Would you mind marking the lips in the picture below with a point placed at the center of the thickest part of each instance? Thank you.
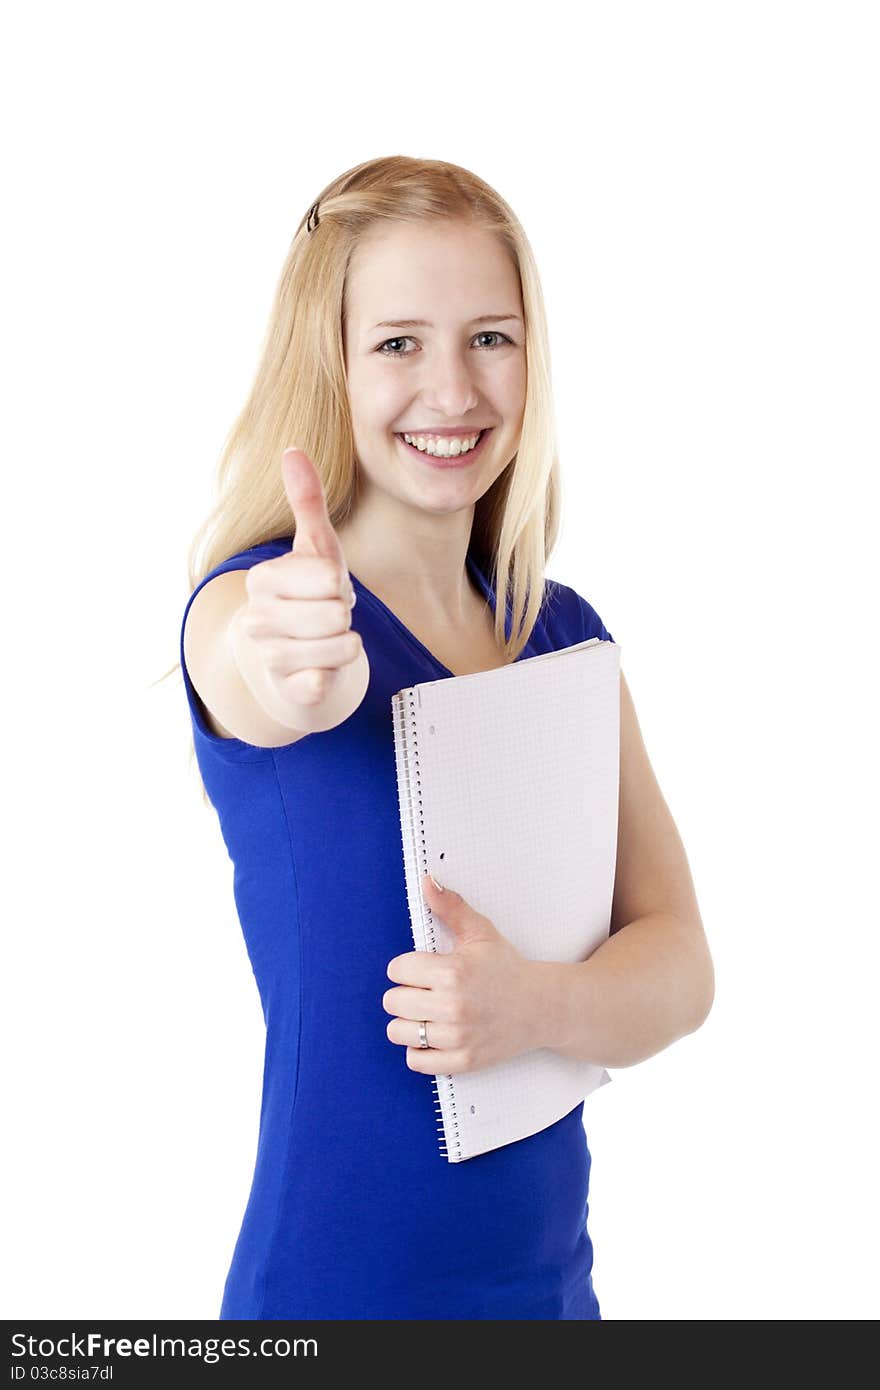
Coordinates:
(459, 461)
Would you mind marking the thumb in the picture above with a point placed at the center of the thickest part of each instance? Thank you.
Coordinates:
(457, 913)
(314, 534)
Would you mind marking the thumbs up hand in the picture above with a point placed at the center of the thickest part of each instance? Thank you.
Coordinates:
(481, 1002)
(292, 639)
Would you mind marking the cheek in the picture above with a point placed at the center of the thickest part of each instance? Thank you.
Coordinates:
(377, 399)
(512, 388)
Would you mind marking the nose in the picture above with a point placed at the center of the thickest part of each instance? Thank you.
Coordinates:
(449, 386)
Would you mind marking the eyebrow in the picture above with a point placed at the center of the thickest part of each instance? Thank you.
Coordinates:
(424, 323)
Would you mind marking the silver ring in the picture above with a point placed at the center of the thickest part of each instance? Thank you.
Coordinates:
(423, 1035)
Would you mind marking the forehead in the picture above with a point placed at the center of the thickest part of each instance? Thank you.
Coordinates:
(434, 271)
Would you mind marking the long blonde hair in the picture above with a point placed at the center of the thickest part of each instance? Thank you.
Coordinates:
(299, 393)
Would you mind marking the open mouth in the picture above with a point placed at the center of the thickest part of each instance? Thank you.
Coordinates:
(454, 460)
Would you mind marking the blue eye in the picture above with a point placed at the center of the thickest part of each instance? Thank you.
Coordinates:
(489, 333)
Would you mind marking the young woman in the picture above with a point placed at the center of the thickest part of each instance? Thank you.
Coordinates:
(407, 361)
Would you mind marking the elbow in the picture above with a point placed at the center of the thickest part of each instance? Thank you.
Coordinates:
(705, 995)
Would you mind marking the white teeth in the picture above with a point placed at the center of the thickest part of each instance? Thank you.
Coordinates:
(443, 446)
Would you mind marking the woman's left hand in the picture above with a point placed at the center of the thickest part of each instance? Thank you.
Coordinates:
(481, 1000)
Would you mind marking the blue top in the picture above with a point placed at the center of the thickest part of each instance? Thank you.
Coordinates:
(353, 1211)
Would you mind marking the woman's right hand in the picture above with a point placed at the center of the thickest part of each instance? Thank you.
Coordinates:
(292, 639)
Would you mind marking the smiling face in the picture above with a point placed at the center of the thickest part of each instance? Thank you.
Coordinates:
(461, 370)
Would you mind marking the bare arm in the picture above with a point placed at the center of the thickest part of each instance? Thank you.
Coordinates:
(653, 980)
(230, 689)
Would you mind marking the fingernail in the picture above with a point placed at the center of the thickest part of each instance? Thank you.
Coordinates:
(438, 886)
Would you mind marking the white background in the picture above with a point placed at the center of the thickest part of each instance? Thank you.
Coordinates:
(699, 184)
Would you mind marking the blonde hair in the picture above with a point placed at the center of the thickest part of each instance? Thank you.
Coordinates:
(299, 393)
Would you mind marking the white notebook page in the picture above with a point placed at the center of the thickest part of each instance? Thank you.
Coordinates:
(508, 793)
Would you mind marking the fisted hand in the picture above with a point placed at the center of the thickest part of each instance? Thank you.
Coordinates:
(295, 628)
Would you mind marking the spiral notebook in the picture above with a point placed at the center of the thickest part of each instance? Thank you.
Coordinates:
(508, 793)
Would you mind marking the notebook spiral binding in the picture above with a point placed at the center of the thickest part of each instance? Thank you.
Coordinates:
(406, 752)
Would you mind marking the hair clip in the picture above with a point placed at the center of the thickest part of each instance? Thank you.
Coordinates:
(313, 212)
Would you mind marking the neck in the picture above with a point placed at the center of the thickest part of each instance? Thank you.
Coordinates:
(423, 567)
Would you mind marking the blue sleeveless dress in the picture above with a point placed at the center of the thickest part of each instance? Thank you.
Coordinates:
(353, 1211)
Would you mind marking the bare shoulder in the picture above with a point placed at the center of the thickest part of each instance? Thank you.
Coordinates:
(215, 603)
(208, 614)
